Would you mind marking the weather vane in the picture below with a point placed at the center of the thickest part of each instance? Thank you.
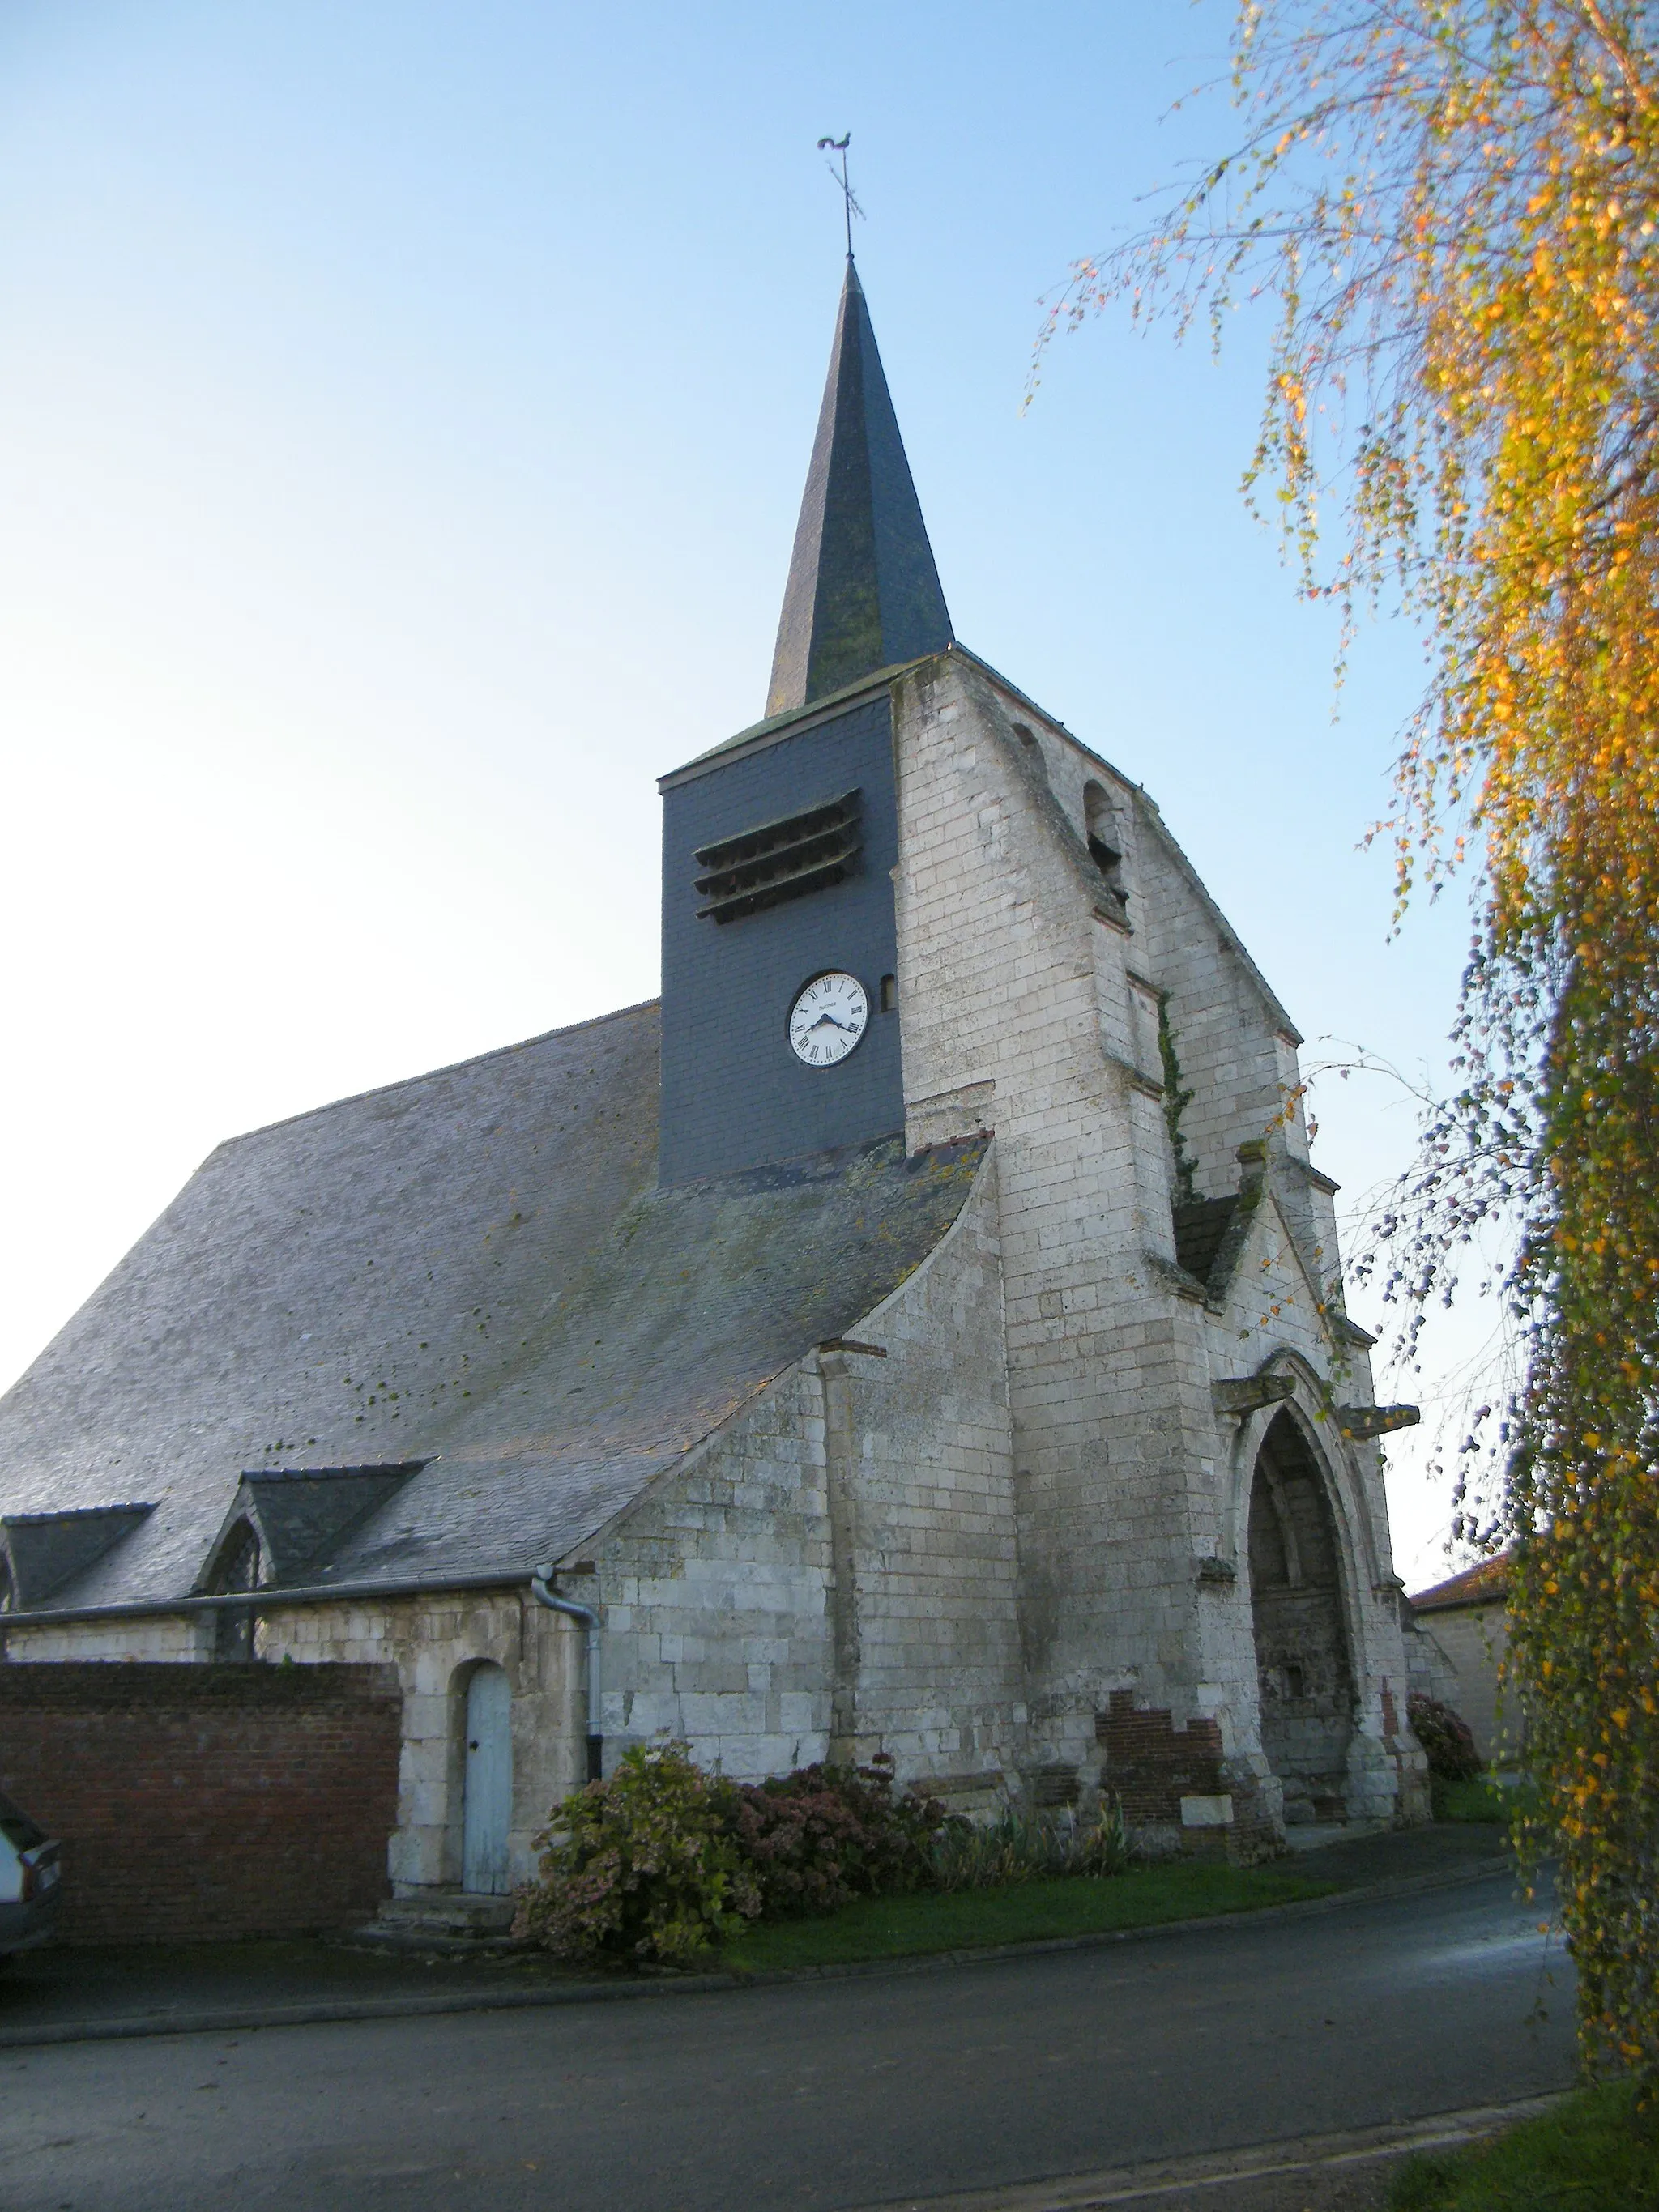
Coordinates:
(840, 146)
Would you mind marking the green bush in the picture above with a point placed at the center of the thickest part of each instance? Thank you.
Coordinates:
(662, 1860)
(643, 1866)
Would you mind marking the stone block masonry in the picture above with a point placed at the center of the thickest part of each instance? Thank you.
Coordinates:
(834, 1574)
(206, 1803)
(1067, 983)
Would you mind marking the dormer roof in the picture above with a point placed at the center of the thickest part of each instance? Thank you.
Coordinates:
(40, 1553)
(302, 1515)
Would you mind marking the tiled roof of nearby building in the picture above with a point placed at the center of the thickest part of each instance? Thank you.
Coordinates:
(475, 1269)
(1484, 1584)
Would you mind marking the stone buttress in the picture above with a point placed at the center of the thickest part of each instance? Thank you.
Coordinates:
(1169, 1271)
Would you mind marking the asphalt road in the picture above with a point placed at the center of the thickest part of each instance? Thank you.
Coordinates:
(835, 2093)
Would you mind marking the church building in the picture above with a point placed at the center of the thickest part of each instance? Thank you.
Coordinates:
(920, 1333)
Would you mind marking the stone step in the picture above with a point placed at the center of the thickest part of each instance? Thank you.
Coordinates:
(452, 1908)
(442, 1920)
(1314, 1837)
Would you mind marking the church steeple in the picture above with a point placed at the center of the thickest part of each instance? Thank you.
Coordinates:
(863, 592)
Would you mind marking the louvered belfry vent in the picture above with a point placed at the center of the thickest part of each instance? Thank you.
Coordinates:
(780, 861)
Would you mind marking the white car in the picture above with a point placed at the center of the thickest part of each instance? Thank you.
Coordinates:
(28, 1882)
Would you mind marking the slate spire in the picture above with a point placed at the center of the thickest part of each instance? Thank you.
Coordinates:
(863, 592)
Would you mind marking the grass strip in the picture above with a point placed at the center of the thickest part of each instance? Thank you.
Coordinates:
(1596, 2153)
(1022, 1912)
(1479, 1801)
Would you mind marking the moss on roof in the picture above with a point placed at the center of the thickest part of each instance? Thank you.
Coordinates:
(475, 1269)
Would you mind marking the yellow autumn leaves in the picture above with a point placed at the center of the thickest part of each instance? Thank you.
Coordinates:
(1453, 204)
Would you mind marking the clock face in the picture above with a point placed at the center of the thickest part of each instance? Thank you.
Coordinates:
(829, 1018)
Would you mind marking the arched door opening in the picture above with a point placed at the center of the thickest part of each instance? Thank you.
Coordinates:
(486, 1787)
(1302, 1655)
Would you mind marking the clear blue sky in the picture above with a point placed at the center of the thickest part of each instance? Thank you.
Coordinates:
(403, 409)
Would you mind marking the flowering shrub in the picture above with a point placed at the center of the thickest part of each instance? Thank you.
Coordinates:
(1445, 1738)
(661, 1860)
(643, 1866)
(816, 1838)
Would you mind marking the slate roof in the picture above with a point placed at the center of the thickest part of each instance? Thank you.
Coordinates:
(863, 591)
(1487, 1583)
(474, 1269)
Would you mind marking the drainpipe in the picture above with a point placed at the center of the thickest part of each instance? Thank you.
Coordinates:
(270, 1597)
(568, 1606)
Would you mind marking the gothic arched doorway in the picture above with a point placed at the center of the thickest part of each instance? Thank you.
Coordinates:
(1302, 1656)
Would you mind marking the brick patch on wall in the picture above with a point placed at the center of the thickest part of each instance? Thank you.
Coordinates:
(206, 1803)
(1151, 1765)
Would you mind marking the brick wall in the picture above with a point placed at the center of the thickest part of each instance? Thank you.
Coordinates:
(206, 1803)
(1151, 1765)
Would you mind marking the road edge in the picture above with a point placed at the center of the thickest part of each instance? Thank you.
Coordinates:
(1144, 2183)
(223, 2019)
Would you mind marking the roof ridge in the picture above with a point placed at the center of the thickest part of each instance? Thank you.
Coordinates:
(427, 1075)
(1481, 1578)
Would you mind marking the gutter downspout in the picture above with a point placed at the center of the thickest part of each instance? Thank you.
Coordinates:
(569, 1607)
(269, 1597)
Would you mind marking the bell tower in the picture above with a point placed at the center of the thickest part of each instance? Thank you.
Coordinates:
(779, 954)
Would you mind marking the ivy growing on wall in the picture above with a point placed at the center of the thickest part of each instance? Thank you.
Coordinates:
(1176, 1102)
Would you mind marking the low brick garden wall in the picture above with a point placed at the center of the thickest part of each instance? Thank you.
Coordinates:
(206, 1803)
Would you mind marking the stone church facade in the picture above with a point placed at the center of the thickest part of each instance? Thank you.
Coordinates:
(921, 1333)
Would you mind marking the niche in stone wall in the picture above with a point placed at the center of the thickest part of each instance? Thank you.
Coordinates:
(1302, 1662)
(1031, 746)
(1105, 838)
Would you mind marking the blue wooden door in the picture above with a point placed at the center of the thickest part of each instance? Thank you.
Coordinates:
(487, 1805)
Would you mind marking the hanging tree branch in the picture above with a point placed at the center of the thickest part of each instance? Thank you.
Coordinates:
(1454, 205)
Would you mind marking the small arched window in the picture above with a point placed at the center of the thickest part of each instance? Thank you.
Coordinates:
(237, 1569)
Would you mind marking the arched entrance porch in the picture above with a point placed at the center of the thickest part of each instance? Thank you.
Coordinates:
(1304, 1664)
